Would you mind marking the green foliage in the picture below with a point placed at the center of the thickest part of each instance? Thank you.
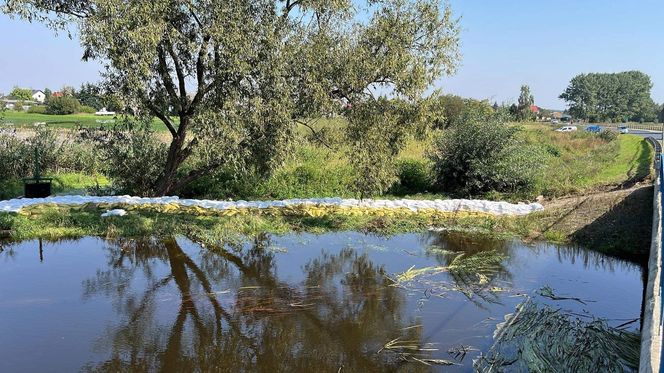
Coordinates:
(485, 154)
(608, 136)
(90, 95)
(15, 156)
(583, 162)
(132, 155)
(449, 110)
(63, 105)
(414, 176)
(378, 130)
(23, 94)
(37, 109)
(526, 100)
(236, 75)
(87, 110)
(615, 97)
(310, 172)
(57, 154)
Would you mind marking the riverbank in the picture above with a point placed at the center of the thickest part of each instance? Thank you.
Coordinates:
(609, 222)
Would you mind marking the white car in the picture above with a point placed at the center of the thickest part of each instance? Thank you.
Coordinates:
(567, 129)
(623, 129)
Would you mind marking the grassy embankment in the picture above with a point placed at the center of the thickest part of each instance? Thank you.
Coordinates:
(578, 164)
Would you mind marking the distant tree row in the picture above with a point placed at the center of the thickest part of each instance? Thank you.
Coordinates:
(612, 97)
(88, 99)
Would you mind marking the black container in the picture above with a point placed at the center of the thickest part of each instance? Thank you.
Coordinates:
(37, 188)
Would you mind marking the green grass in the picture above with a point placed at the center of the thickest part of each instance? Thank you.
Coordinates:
(581, 162)
(63, 183)
(50, 222)
(72, 121)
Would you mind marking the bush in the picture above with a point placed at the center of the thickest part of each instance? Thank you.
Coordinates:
(608, 136)
(87, 110)
(483, 154)
(37, 109)
(415, 176)
(311, 172)
(63, 105)
(134, 158)
(450, 109)
(15, 157)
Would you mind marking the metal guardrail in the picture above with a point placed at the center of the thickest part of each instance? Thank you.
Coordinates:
(637, 126)
(652, 327)
(660, 170)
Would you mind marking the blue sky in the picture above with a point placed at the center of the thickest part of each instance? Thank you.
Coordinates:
(504, 44)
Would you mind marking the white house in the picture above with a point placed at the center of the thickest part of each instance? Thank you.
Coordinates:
(38, 96)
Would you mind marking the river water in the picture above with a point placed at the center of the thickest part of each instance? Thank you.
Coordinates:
(337, 302)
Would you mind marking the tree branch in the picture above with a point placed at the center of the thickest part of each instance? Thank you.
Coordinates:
(315, 133)
(155, 110)
(179, 71)
(163, 71)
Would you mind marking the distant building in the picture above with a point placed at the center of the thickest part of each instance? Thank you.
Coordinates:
(57, 94)
(534, 109)
(10, 103)
(38, 96)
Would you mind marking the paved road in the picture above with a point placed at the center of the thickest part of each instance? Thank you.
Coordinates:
(643, 133)
(657, 135)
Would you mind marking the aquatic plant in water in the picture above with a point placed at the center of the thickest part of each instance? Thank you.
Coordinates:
(542, 338)
(473, 275)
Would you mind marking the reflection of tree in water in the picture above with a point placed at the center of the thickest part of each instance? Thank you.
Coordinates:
(262, 324)
(475, 263)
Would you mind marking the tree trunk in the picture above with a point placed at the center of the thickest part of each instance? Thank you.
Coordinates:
(176, 156)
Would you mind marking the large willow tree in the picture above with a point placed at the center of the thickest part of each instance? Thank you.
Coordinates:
(231, 79)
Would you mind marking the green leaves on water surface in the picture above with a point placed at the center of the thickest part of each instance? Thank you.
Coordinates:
(542, 338)
(474, 275)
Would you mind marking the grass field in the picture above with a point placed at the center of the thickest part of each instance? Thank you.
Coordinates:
(73, 121)
(581, 162)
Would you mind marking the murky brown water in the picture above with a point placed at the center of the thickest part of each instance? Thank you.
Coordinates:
(297, 303)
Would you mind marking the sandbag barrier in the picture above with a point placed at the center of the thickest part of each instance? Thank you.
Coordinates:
(311, 207)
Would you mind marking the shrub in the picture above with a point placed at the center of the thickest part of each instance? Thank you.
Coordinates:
(56, 154)
(450, 109)
(87, 110)
(15, 157)
(63, 105)
(483, 154)
(608, 136)
(311, 172)
(134, 158)
(415, 176)
(37, 109)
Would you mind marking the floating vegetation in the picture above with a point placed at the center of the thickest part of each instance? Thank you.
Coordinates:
(472, 275)
(413, 273)
(541, 338)
(547, 292)
(413, 351)
(459, 352)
